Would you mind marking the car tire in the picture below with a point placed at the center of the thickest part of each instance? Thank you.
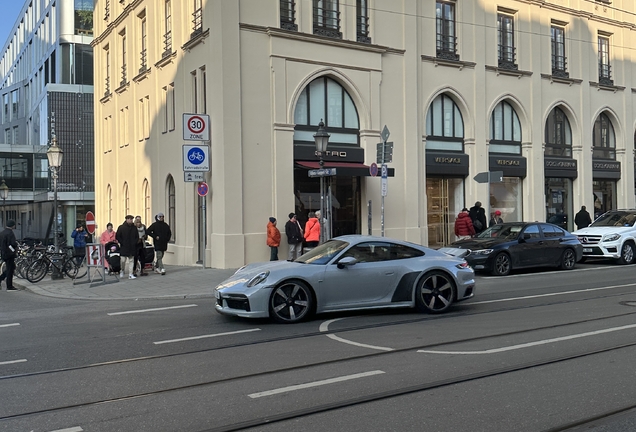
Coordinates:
(568, 259)
(501, 265)
(291, 302)
(627, 253)
(435, 292)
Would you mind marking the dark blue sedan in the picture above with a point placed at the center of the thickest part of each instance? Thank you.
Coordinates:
(514, 245)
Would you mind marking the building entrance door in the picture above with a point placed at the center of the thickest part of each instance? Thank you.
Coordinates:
(445, 199)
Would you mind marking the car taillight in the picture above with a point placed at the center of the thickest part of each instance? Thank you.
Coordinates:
(462, 265)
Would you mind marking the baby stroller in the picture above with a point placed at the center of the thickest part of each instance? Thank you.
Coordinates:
(113, 257)
(149, 258)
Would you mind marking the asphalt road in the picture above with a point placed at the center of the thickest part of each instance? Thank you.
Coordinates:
(535, 351)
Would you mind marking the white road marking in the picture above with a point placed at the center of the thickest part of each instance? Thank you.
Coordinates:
(12, 361)
(206, 336)
(545, 272)
(9, 325)
(315, 384)
(553, 294)
(73, 429)
(324, 327)
(152, 310)
(531, 344)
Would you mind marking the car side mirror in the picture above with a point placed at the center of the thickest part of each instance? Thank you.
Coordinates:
(524, 237)
(346, 262)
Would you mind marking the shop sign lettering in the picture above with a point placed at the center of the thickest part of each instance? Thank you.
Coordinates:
(341, 154)
(560, 164)
(508, 162)
(448, 160)
(606, 166)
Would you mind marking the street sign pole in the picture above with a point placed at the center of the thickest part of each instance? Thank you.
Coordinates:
(386, 156)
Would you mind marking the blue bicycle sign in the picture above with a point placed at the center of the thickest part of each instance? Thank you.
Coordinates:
(196, 158)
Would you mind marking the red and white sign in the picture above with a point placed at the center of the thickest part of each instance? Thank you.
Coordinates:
(90, 222)
(94, 253)
(202, 189)
(196, 127)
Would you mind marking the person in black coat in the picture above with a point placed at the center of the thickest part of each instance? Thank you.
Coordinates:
(8, 248)
(582, 219)
(127, 236)
(478, 216)
(161, 234)
(294, 237)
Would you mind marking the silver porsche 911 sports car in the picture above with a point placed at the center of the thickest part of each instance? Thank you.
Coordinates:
(347, 273)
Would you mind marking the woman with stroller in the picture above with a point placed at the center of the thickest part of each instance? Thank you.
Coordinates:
(108, 236)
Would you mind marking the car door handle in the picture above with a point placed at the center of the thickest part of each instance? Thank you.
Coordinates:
(389, 273)
(541, 242)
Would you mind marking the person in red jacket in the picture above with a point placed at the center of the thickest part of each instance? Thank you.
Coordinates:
(463, 225)
(273, 239)
(312, 231)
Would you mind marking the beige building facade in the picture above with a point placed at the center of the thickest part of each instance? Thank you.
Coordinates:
(539, 93)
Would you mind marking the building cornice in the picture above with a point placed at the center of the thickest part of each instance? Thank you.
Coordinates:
(611, 88)
(560, 80)
(445, 62)
(516, 73)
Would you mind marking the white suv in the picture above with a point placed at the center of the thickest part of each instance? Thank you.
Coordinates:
(612, 235)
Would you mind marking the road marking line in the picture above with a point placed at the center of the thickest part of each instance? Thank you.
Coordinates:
(9, 325)
(315, 384)
(531, 344)
(206, 336)
(546, 272)
(73, 429)
(552, 294)
(324, 327)
(12, 361)
(152, 310)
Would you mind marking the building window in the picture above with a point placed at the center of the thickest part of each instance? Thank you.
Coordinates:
(167, 23)
(195, 91)
(446, 38)
(444, 126)
(106, 10)
(558, 134)
(326, 100)
(362, 21)
(327, 18)
(109, 204)
(559, 60)
(16, 137)
(84, 17)
(124, 79)
(14, 104)
(170, 120)
(146, 195)
(5, 101)
(204, 89)
(146, 106)
(288, 15)
(197, 19)
(7, 136)
(143, 54)
(505, 130)
(141, 115)
(506, 39)
(126, 199)
(604, 67)
(107, 76)
(603, 139)
(172, 207)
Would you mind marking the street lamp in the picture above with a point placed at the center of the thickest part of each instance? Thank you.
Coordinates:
(54, 154)
(321, 138)
(4, 194)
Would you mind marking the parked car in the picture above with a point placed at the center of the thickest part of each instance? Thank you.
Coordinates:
(514, 245)
(612, 235)
(347, 273)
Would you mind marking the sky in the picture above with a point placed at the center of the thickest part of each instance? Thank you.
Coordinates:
(8, 16)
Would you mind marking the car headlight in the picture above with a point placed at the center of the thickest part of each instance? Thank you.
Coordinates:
(611, 237)
(258, 279)
(482, 252)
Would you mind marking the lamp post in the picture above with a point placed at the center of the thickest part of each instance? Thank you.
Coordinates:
(321, 138)
(4, 194)
(54, 154)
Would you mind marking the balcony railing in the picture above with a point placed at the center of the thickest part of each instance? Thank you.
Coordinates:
(507, 57)
(288, 15)
(560, 66)
(143, 61)
(167, 44)
(197, 23)
(605, 74)
(327, 22)
(124, 77)
(447, 47)
(362, 26)
(107, 86)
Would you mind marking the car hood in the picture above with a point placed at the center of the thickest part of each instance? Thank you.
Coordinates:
(276, 268)
(602, 230)
(479, 243)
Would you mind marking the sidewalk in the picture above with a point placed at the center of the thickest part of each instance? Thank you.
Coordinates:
(178, 282)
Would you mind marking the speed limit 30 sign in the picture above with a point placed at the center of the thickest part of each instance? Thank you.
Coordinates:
(196, 127)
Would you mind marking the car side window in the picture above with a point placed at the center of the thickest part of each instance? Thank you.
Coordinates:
(369, 252)
(399, 251)
(549, 231)
(533, 230)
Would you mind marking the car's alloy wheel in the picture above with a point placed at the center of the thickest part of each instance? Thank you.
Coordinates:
(502, 265)
(435, 292)
(290, 302)
(568, 260)
(627, 253)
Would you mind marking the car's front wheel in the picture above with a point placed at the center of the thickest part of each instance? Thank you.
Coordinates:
(627, 253)
(435, 292)
(568, 259)
(291, 302)
(502, 264)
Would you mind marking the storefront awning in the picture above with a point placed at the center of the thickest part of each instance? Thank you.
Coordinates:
(353, 169)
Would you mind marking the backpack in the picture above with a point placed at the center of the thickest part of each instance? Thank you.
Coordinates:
(477, 224)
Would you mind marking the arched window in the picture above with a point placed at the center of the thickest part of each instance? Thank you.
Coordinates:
(146, 195)
(126, 199)
(109, 197)
(171, 200)
(324, 99)
(505, 130)
(603, 138)
(558, 134)
(444, 125)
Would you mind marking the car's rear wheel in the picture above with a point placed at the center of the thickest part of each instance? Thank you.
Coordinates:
(435, 292)
(291, 301)
(568, 259)
(627, 253)
(502, 264)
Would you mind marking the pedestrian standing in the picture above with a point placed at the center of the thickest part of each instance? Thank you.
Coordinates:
(464, 228)
(107, 236)
(160, 233)
(127, 236)
(294, 237)
(140, 254)
(582, 218)
(478, 217)
(312, 230)
(8, 248)
(273, 239)
(496, 218)
(79, 242)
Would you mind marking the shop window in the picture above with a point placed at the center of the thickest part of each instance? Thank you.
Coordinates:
(558, 134)
(505, 130)
(444, 125)
(507, 197)
(603, 138)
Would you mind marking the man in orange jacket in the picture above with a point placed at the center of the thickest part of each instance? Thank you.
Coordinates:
(273, 239)
(312, 231)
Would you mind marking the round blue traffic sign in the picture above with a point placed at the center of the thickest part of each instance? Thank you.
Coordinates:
(196, 156)
(202, 189)
(373, 169)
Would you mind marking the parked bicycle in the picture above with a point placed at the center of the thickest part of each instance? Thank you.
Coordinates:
(64, 262)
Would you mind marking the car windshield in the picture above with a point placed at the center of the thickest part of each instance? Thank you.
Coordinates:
(507, 231)
(615, 219)
(324, 253)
